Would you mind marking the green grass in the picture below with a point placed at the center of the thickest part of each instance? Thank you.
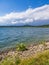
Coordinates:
(38, 59)
(11, 61)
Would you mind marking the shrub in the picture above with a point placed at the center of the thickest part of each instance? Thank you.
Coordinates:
(21, 47)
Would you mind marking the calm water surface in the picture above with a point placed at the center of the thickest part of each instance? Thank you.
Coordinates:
(10, 36)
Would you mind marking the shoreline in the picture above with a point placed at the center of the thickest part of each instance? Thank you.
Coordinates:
(32, 50)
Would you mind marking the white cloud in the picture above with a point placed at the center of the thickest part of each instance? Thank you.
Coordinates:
(30, 15)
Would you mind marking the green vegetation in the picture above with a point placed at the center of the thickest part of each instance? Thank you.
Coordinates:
(17, 60)
(10, 61)
(42, 42)
(44, 26)
(38, 59)
(35, 26)
(21, 47)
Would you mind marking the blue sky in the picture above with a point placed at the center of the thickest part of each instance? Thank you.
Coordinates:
(21, 12)
(7, 6)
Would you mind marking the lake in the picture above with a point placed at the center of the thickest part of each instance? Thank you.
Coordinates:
(10, 36)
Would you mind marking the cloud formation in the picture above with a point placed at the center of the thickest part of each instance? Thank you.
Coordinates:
(26, 17)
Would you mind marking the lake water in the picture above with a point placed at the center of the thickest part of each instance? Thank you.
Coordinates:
(10, 36)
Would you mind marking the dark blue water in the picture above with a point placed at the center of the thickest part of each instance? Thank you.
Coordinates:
(10, 36)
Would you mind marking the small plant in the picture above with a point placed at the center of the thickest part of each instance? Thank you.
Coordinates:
(21, 47)
(42, 42)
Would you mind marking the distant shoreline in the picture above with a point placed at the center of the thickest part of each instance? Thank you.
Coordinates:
(27, 26)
